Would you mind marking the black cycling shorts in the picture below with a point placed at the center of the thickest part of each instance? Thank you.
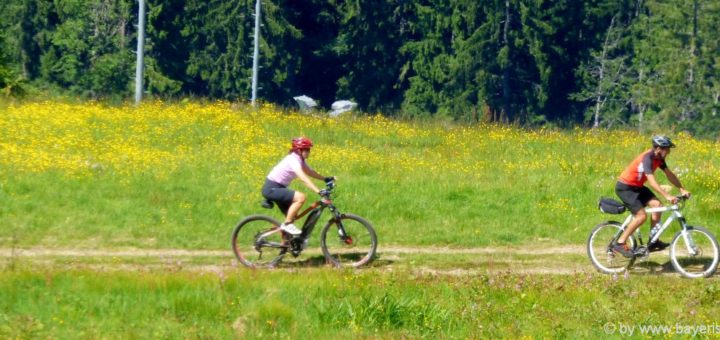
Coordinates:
(635, 198)
(278, 193)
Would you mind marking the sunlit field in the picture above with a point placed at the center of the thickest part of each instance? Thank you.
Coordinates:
(480, 227)
(180, 175)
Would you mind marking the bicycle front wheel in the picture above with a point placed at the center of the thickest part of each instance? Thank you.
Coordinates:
(257, 241)
(694, 252)
(349, 241)
(599, 248)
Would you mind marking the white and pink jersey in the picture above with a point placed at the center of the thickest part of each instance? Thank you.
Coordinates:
(283, 172)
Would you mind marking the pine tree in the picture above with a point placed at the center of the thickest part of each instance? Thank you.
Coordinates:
(606, 77)
(368, 47)
(675, 57)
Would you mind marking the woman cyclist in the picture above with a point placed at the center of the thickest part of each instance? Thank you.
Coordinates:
(277, 181)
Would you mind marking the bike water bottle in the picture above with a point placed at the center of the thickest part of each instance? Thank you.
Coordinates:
(654, 230)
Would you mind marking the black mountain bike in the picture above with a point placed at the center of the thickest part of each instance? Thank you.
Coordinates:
(346, 240)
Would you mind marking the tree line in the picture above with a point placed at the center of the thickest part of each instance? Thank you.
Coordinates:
(648, 64)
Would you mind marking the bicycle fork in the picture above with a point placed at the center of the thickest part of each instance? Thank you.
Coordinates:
(687, 237)
(347, 239)
(689, 242)
(342, 233)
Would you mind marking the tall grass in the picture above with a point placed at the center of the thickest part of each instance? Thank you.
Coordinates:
(328, 304)
(180, 175)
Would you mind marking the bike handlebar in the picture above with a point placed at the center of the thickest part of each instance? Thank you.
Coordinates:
(329, 186)
(682, 197)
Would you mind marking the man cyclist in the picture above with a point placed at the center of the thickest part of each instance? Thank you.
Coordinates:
(631, 190)
(277, 181)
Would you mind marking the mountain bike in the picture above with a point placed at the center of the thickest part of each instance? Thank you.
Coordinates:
(347, 240)
(694, 251)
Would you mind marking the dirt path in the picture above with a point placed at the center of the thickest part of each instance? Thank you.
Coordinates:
(531, 260)
(445, 260)
(135, 252)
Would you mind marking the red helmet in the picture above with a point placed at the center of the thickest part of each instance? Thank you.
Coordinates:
(301, 143)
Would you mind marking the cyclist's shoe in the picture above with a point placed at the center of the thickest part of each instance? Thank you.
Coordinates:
(623, 249)
(641, 251)
(290, 228)
(658, 245)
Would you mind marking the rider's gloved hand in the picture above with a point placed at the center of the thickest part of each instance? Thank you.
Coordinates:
(329, 179)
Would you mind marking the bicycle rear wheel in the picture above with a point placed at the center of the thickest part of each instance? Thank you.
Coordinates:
(694, 254)
(257, 241)
(349, 241)
(599, 246)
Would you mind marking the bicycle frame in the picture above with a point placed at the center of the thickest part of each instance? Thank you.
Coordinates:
(675, 214)
(314, 211)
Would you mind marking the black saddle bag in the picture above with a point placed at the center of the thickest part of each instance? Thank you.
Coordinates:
(611, 206)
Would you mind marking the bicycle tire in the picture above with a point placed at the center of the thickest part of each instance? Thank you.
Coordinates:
(598, 248)
(702, 264)
(245, 245)
(355, 249)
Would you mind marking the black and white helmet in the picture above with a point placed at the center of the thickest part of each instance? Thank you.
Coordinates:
(662, 141)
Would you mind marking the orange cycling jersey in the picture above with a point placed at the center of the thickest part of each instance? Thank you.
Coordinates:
(636, 173)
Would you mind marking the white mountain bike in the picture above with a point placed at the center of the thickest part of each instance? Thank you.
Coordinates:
(694, 251)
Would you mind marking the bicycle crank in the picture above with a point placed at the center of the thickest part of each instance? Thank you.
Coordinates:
(641, 251)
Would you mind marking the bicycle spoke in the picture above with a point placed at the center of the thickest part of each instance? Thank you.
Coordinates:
(258, 242)
(694, 253)
(599, 248)
(349, 242)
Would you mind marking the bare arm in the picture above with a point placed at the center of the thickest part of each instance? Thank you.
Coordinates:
(676, 182)
(312, 173)
(305, 177)
(655, 186)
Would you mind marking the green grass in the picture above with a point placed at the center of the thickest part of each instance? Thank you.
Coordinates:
(180, 176)
(418, 183)
(43, 302)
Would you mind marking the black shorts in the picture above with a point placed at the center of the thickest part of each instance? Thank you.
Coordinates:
(278, 193)
(635, 198)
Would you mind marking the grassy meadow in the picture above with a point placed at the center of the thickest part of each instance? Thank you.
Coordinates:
(330, 304)
(86, 176)
(180, 175)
